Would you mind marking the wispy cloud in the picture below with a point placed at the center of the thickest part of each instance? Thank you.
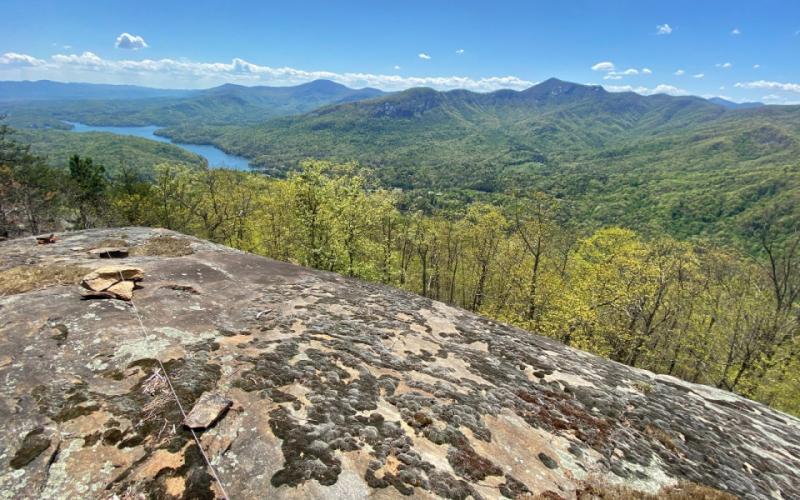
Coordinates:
(658, 89)
(756, 66)
(131, 42)
(396, 66)
(680, 72)
(90, 67)
(603, 66)
(725, 65)
(777, 99)
(460, 51)
(611, 72)
(663, 29)
(14, 60)
(736, 32)
(423, 55)
(699, 75)
(764, 84)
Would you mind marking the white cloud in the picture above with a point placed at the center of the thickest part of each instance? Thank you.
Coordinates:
(603, 66)
(663, 29)
(618, 75)
(699, 75)
(423, 55)
(776, 99)
(460, 51)
(763, 84)
(680, 72)
(132, 42)
(658, 89)
(396, 66)
(14, 60)
(647, 71)
(736, 31)
(171, 73)
(725, 65)
(756, 66)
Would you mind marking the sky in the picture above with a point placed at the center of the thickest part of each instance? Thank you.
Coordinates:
(743, 50)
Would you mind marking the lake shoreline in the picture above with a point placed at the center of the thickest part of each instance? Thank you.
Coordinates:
(214, 156)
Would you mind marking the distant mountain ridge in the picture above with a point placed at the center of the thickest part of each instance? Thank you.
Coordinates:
(27, 103)
(48, 90)
(735, 105)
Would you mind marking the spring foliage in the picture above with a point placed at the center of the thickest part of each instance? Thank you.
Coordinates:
(703, 314)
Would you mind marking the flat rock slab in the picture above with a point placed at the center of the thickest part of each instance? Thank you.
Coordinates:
(342, 389)
(115, 282)
(207, 410)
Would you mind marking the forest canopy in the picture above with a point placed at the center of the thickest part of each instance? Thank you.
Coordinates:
(702, 313)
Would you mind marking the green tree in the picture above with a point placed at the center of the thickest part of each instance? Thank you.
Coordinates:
(89, 189)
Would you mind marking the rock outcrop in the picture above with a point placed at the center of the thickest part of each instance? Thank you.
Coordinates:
(322, 386)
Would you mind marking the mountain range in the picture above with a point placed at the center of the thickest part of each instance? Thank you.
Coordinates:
(27, 103)
(681, 164)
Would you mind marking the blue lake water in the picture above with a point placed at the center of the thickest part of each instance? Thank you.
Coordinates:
(216, 157)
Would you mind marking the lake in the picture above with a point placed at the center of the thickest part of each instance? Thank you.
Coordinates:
(216, 157)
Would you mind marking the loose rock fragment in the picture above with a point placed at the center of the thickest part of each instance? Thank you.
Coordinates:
(46, 239)
(110, 252)
(111, 282)
(207, 410)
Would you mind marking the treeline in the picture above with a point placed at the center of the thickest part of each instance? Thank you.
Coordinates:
(703, 314)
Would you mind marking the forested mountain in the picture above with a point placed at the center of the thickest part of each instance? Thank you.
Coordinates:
(111, 150)
(469, 138)
(226, 104)
(678, 164)
(681, 165)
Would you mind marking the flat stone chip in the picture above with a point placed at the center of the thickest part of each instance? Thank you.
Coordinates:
(207, 410)
(122, 290)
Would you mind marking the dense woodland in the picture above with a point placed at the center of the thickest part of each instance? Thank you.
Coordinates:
(682, 166)
(699, 312)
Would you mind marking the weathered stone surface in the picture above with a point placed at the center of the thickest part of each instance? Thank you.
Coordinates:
(344, 389)
(207, 410)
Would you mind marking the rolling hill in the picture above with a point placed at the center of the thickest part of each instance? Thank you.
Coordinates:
(226, 104)
(678, 164)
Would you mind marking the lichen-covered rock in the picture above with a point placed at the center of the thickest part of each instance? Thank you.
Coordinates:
(343, 389)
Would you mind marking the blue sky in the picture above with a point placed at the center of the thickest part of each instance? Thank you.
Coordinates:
(744, 50)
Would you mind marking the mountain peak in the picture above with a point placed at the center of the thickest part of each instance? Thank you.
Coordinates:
(553, 87)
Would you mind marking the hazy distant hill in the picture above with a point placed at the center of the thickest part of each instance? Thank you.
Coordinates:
(226, 104)
(49, 90)
(735, 105)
